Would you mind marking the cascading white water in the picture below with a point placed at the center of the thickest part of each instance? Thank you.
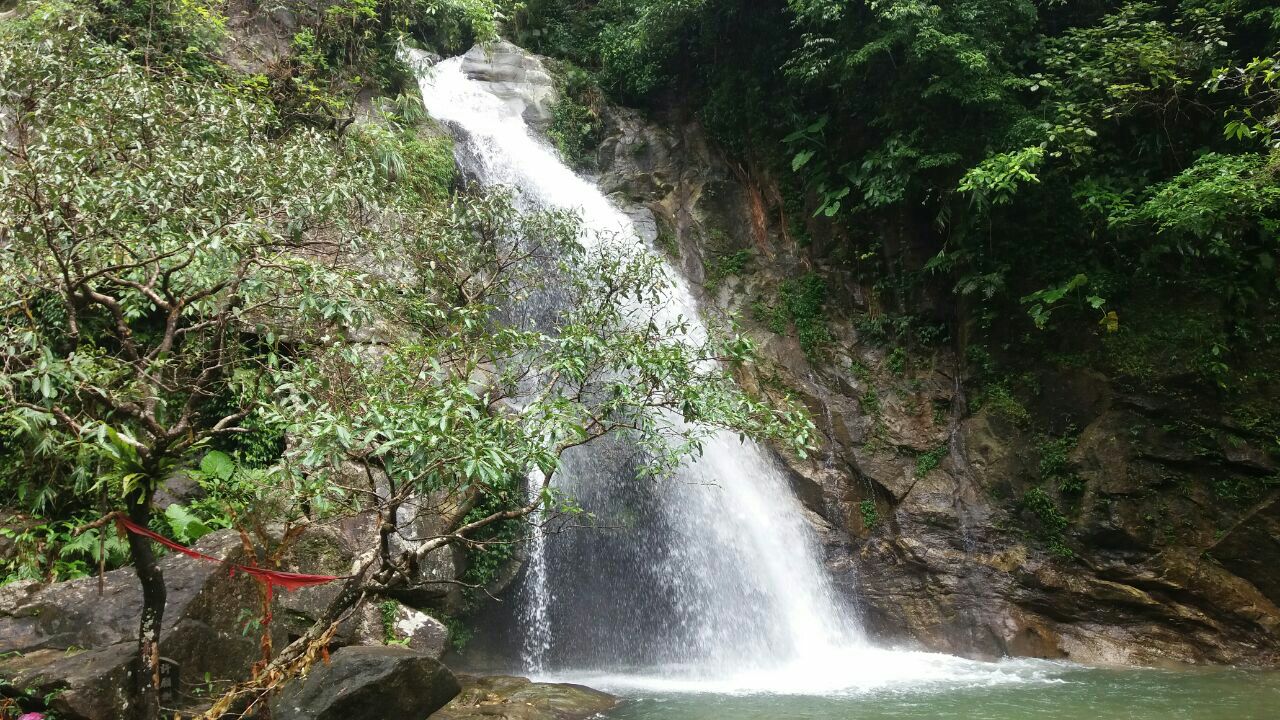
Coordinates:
(715, 580)
(537, 596)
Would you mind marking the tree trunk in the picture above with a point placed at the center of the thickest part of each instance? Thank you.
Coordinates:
(146, 674)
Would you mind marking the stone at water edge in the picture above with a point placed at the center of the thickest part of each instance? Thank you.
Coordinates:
(422, 632)
(503, 697)
(368, 683)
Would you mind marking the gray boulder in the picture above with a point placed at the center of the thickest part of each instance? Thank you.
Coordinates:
(368, 683)
(419, 630)
(515, 76)
(79, 685)
(67, 640)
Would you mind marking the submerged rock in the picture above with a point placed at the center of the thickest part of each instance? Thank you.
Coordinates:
(503, 697)
(368, 683)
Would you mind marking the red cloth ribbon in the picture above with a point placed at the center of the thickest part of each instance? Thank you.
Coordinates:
(271, 578)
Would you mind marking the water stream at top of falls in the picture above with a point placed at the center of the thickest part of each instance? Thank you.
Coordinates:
(713, 580)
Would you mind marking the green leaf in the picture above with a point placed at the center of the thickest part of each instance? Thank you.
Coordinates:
(217, 464)
(187, 528)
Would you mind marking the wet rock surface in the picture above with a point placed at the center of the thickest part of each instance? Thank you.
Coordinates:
(503, 697)
(518, 78)
(368, 683)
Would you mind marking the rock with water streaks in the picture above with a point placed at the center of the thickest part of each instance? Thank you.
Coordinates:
(516, 77)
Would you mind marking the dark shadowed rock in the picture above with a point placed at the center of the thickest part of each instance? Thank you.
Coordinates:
(80, 684)
(1251, 547)
(368, 683)
(502, 697)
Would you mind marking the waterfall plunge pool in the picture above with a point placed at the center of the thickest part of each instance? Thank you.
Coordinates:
(1006, 690)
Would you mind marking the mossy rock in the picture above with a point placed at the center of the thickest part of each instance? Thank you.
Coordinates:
(516, 698)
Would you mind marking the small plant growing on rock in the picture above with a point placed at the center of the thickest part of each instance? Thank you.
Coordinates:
(870, 402)
(927, 462)
(870, 515)
(897, 361)
(1051, 521)
(1056, 466)
(387, 610)
(668, 243)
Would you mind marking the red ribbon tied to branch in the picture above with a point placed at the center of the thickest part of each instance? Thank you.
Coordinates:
(271, 578)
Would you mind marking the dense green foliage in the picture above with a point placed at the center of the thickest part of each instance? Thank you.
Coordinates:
(134, 254)
(575, 117)
(1062, 171)
(195, 266)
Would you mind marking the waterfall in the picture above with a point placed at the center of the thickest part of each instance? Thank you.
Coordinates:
(535, 594)
(712, 579)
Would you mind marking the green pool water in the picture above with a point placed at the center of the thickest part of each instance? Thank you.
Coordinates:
(1021, 690)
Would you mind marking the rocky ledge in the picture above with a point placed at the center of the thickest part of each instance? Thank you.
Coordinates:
(74, 642)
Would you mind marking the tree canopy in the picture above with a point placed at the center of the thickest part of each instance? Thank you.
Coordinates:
(1061, 166)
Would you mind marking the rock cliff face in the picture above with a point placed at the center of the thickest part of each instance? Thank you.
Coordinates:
(1078, 519)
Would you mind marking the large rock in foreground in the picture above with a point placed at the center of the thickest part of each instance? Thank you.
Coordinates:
(369, 683)
(501, 697)
(75, 645)
(85, 685)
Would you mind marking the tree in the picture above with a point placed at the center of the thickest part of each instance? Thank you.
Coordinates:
(149, 223)
(174, 265)
(465, 393)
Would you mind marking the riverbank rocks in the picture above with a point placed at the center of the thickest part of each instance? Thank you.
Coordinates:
(68, 640)
(503, 697)
(368, 683)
